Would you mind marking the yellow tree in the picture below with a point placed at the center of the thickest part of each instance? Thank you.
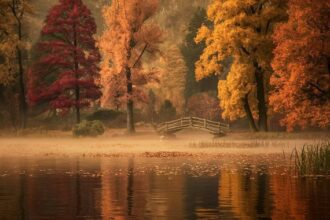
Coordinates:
(7, 40)
(12, 47)
(173, 78)
(129, 34)
(241, 33)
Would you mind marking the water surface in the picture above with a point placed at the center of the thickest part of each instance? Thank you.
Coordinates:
(158, 188)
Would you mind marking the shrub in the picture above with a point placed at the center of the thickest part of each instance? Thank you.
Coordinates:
(88, 128)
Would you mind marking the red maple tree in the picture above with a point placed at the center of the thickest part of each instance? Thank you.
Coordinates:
(66, 72)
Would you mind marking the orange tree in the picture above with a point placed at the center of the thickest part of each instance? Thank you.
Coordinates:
(301, 83)
(128, 36)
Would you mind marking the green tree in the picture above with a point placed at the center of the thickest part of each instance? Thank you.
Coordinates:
(167, 111)
(191, 53)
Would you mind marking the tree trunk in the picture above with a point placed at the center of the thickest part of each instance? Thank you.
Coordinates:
(248, 113)
(76, 67)
(262, 106)
(130, 104)
(22, 98)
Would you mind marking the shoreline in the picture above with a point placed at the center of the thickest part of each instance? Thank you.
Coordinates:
(187, 142)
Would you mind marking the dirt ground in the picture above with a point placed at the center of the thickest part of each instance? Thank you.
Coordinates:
(115, 142)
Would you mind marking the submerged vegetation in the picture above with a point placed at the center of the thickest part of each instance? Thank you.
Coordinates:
(313, 159)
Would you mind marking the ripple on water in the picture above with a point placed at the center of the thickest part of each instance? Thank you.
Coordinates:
(159, 186)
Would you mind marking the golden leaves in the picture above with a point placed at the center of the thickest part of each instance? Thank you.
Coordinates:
(241, 31)
(239, 82)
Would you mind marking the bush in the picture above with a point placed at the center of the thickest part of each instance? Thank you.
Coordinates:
(88, 128)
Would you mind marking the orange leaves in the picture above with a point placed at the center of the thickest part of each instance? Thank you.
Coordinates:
(150, 35)
(128, 36)
(301, 81)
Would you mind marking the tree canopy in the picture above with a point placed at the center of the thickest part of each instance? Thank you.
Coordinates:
(301, 83)
(242, 31)
(66, 72)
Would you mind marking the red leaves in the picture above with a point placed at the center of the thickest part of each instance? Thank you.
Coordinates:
(69, 59)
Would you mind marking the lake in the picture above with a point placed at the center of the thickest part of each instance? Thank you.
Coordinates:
(159, 187)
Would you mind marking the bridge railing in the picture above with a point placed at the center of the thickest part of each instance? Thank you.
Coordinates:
(179, 124)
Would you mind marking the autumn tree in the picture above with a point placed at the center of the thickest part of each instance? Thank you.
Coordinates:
(7, 62)
(128, 36)
(301, 83)
(173, 80)
(7, 40)
(13, 45)
(66, 72)
(204, 105)
(242, 32)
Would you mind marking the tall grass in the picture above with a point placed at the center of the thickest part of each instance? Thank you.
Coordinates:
(313, 159)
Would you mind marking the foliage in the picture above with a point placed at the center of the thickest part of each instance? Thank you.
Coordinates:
(241, 31)
(88, 128)
(204, 106)
(313, 159)
(66, 73)
(12, 15)
(240, 81)
(173, 79)
(173, 15)
(191, 53)
(13, 53)
(128, 35)
(301, 83)
(8, 40)
(104, 115)
(151, 108)
(167, 111)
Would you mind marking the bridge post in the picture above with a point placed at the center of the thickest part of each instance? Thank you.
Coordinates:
(205, 123)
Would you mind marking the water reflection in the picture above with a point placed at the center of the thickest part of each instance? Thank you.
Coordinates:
(140, 188)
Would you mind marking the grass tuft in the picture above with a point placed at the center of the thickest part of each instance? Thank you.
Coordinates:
(313, 159)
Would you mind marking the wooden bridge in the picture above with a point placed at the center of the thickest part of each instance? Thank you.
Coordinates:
(171, 127)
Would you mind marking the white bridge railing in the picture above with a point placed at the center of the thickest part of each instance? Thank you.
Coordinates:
(192, 122)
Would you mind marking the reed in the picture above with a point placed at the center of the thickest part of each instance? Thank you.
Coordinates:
(313, 159)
